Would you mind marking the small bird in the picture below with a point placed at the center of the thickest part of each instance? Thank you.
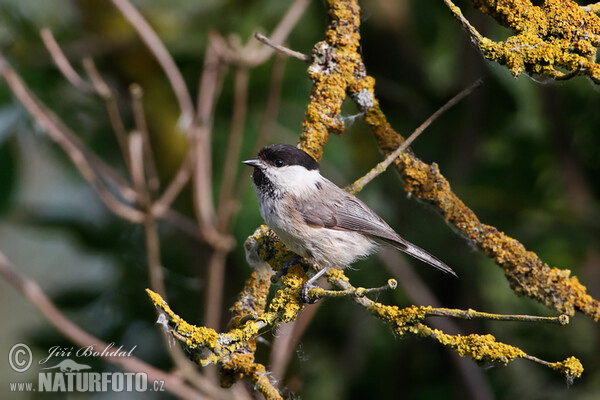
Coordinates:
(315, 218)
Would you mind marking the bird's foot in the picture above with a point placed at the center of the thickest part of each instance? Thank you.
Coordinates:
(309, 285)
(296, 259)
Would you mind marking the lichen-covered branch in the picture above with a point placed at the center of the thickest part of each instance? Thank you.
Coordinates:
(336, 71)
(558, 39)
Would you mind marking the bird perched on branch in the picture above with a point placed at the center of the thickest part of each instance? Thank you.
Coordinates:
(315, 218)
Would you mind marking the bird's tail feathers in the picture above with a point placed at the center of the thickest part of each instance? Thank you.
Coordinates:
(419, 253)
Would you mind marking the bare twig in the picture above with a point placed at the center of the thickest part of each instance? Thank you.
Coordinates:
(383, 165)
(200, 136)
(282, 49)
(136, 148)
(163, 57)
(63, 65)
(137, 105)
(475, 35)
(215, 284)
(269, 116)
(472, 314)
(231, 163)
(420, 294)
(112, 107)
(283, 29)
(181, 178)
(34, 293)
(48, 123)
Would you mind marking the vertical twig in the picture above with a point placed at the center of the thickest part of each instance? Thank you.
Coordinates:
(137, 105)
(136, 148)
(419, 293)
(75, 334)
(283, 29)
(63, 65)
(112, 107)
(48, 122)
(201, 139)
(231, 163)
(156, 46)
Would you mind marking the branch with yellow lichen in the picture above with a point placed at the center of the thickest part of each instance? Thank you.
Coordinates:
(233, 351)
(337, 70)
(558, 39)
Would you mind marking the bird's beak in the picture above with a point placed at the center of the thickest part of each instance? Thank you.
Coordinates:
(256, 163)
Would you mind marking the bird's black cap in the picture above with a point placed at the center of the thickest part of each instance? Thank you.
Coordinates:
(281, 155)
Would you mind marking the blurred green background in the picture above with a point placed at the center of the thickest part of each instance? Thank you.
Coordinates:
(522, 153)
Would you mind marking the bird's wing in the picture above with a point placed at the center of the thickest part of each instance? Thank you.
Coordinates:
(342, 211)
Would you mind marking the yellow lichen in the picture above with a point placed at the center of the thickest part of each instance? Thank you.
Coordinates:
(571, 367)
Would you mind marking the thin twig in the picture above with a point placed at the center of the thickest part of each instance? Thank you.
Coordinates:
(420, 294)
(383, 165)
(112, 107)
(283, 29)
(47, 122)
(156, 46)
(155, 272)
(200, 137)
(139, 116)
(282, 49)
(62, 63)
(456, 11)
(318, 293)
(269, 116)
(136, 148)
(472, 314)
(231, 163)
(72, 332)
(214, 283)
(181, 178)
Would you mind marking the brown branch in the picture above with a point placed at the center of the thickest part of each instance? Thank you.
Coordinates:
(155, 273)
(420, 294)
(282, 30)
(201, 149)
(231, 163)
(163, 57)
(181, 178)
(269, 116)
(215, 282)
(72, 332)
(48, 123)
(63, 65)
(382, 166)
(112, 107)
(282, 49)
(139, 116)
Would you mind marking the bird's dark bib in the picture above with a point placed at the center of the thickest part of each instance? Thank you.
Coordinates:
(264, 184)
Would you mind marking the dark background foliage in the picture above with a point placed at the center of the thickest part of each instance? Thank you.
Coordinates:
(522, 153)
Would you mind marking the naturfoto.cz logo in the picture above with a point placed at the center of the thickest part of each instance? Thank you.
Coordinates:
(71, 376)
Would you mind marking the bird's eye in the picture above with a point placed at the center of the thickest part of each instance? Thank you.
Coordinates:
(279, 163)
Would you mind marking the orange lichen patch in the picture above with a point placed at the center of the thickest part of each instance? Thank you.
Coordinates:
(558, 39)
(270, 248)
(481, 348)
(526, 273)
(195, 336)
(571, 367)
(401, 320)
(252, 300)
(286, 304)
(331, 70)
(244, 366)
